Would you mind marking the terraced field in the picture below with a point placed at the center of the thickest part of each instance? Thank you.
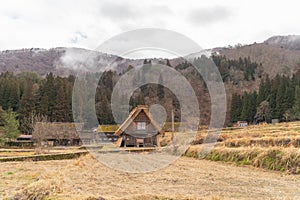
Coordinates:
(274, 147)
(255, 162)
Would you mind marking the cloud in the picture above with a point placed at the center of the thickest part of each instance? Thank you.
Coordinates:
(52, 23)
(86, 60)
(119, 11)
(158, 42)
(13, 16)
(77, 37)
(209, 15)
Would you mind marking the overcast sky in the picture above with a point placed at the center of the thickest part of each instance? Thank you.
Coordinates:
(88, 23)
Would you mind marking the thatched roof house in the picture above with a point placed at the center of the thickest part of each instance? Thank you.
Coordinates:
(139, 129)
(58, 133)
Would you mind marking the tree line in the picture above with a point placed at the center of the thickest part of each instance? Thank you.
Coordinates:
(277, 98)
(27, 93)
(248, 68)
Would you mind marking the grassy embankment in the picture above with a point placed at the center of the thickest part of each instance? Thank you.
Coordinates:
(273, 147)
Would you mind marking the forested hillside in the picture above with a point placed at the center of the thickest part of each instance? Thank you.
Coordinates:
(277, 98)
(262, 83)
(28, 94)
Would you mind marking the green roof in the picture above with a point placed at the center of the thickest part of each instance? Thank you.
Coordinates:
(107, 128)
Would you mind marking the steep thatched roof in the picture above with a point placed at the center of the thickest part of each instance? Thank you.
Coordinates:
(133, 114)
(56, 130)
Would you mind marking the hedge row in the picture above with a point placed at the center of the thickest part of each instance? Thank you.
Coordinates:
(45, 157)
(278, 159)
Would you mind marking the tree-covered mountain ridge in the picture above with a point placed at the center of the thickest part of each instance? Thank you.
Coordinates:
(278, 55)
(247, 71)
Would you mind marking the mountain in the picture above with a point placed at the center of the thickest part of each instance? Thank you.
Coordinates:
(60, 61)
(242, 69)
(65, 61)
(278, 55)
(35, 59)
(291, 42)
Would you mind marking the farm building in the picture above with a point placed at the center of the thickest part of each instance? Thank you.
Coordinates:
(24, 141)
(21, 141)
(56, 133)
(275, 121)
(139, 129)
(106, 133)
(242, 123)
(24, 137)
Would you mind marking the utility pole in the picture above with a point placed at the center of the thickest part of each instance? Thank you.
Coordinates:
(172, 126)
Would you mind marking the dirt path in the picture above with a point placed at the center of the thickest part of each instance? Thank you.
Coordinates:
(185, 178)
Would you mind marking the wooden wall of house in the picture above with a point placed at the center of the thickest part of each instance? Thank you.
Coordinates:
(142, 117)
(133, 127)
(131, 141)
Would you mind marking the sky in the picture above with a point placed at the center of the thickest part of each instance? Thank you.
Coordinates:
(89, 23)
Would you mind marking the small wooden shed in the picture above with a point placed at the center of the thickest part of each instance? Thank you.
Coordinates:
(139, 129)
(106, 133)
(242, 124)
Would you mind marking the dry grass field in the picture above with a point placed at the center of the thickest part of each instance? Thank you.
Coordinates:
(187, 178)
(15, 152)
(274, 147)
(261, 162)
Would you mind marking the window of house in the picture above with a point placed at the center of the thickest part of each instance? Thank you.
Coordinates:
(141, 126)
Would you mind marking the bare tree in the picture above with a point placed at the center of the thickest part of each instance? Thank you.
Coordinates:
(263, 113)
(38, 125)
(30, 121)
(289, 115)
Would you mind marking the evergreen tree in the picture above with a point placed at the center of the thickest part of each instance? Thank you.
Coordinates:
(168, 63)
(27, 105)
(9, 91)
(51, 92)
(11, 125)
(60, 110)
(249, 107)
(280, 100)
(246, 107)
(2, 122)
(264, 90)
(236, 108)
(296, 106)
(253, 105)
(47, 96)
(261, 92)
(13, 101)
